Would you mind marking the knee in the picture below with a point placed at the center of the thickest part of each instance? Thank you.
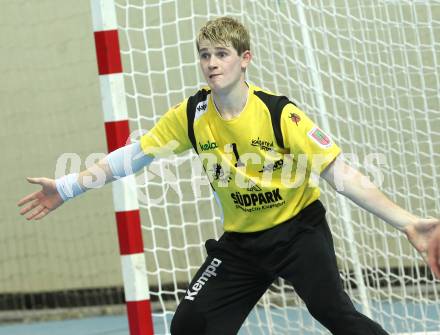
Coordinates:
(187, 320)
(321, 311)
(340, 317)
(332, 312)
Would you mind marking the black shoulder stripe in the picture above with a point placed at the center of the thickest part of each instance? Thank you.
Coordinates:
(193, 101)
(275, 105)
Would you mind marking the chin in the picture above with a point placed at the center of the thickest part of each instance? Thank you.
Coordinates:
(219, 88)
(215, 87)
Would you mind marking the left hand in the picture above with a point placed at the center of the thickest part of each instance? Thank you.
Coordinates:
(419, 234)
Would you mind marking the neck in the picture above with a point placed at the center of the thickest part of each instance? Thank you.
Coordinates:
(230, 104)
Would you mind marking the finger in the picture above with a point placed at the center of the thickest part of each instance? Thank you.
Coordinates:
(42, 214)
(31, 206)
(433, 256)
(436, 261)
(424, 256)
(431, 251)
(35, 180)
(437, 270)
(37, 211)
(27, 198)
(433, 221)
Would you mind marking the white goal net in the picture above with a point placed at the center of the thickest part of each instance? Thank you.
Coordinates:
(367, 72)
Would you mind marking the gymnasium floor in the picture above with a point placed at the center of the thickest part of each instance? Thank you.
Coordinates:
(117, 325)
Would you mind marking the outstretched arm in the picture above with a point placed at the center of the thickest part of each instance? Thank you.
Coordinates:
(119, 163)
(40, 203)
(354, 185)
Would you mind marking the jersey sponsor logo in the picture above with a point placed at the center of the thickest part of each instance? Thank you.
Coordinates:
(208, 146)
(320, 138)
(262, 144)
(253, 187)
(295, 118)
(209, 272)
(237, 155)
(201, 109)
(256, 199)
(218, 173)
(273, 166)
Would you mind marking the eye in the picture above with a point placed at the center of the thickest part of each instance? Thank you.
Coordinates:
(222, 54)
(204, 55)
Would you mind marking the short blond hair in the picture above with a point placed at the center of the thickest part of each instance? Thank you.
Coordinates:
(225, 31)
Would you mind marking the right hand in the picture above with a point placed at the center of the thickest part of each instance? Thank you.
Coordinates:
(42, 202)
(419, 234)
(434, 252)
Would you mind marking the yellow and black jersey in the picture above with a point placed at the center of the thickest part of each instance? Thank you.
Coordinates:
(262, 164)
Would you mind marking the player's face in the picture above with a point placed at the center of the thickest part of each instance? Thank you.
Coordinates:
(222, 67)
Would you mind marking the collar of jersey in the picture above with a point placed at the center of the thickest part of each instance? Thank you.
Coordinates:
(217, 113)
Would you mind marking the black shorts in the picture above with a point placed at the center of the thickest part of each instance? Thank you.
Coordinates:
(241, 266)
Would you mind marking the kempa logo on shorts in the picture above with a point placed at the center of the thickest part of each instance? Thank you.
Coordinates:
(208, 146)
(208, 273)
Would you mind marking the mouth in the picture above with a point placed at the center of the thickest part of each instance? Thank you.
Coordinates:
(213, 75)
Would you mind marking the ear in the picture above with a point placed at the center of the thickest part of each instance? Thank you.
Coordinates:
(246, 58)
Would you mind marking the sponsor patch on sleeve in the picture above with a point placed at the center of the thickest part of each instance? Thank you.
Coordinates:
(320, 138)
(295, 118)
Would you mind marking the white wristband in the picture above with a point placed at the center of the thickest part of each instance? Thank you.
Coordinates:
(68, 186)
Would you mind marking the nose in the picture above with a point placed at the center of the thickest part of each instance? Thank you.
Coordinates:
(212, 64)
